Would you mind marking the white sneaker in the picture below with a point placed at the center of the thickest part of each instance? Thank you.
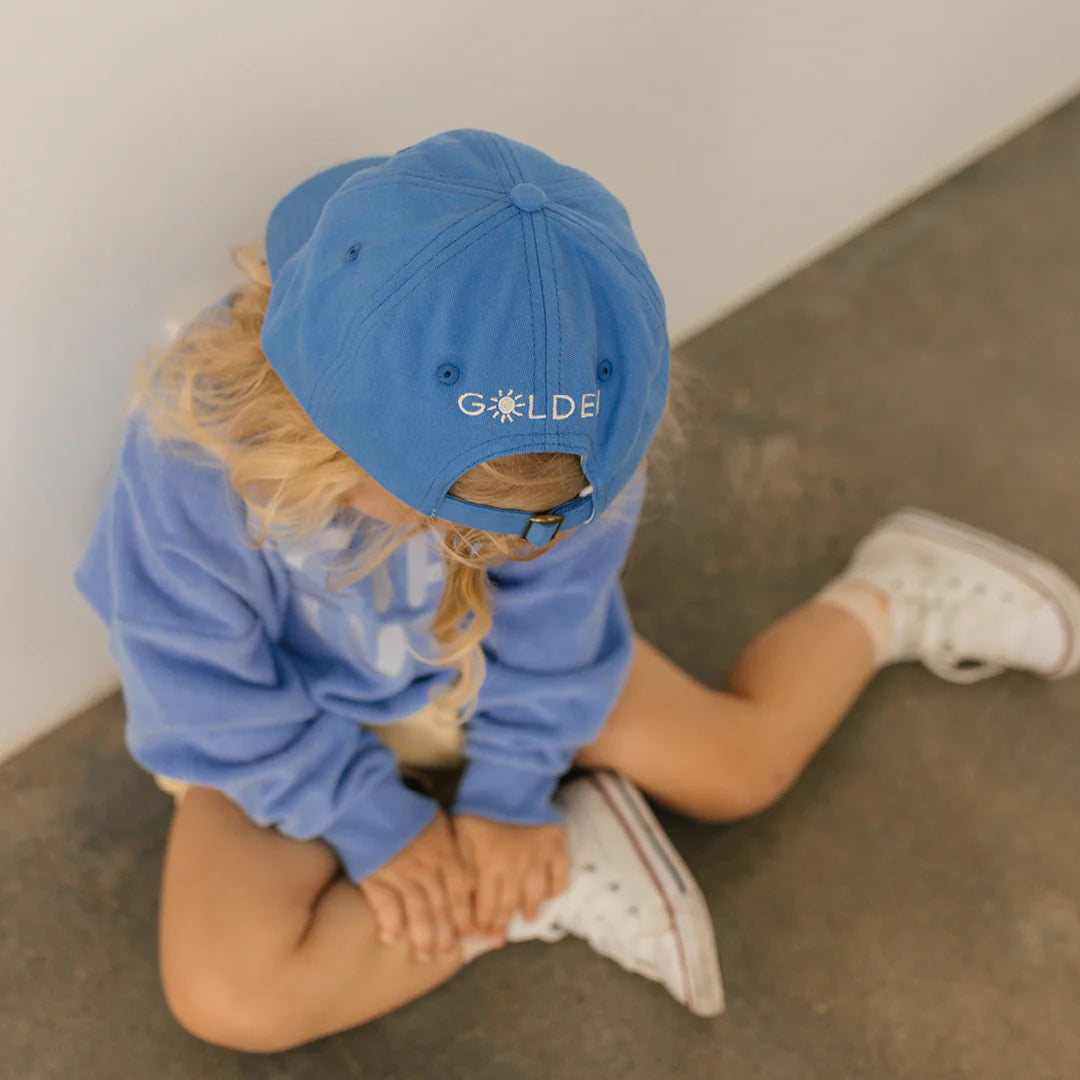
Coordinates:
(630, 895)
(960, 596)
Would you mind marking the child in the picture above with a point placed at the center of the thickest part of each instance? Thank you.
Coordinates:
(429, 408)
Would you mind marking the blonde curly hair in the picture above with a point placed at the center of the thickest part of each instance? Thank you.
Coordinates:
(213, 388)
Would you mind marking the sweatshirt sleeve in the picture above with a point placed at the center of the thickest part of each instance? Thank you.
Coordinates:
(194, 616)
(558, 654)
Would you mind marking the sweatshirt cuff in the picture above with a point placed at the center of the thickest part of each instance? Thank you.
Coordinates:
(506, 793)
(370, 834)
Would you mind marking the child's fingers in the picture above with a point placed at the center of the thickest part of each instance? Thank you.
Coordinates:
(457, 883)
(508, 902)
(534, 891)
(486, 901)
(558, 873)
(421, 922)
(444, 927)
(386, 907)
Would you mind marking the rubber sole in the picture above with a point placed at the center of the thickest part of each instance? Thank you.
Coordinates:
(1048, 579)
(686, 906)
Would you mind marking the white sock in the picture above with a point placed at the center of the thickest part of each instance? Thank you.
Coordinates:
(870, 606)
(545, 927)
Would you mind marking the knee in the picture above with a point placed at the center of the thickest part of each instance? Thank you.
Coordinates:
(221, 1004)
(751, 789)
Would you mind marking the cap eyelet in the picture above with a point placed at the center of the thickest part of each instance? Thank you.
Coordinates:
(354, 250)
(604, 370)
(447, 374)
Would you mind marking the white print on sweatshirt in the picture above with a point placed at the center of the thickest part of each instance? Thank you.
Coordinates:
(383, 642)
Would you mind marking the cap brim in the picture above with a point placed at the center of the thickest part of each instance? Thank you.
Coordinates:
(294, 218)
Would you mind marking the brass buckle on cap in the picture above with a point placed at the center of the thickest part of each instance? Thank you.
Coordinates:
(544, 519)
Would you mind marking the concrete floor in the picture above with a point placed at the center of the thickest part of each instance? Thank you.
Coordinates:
(912, 908)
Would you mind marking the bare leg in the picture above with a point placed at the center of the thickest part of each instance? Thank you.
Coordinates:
(718, 754)
(264, 945)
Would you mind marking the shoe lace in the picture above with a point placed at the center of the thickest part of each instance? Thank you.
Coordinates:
(959, 634)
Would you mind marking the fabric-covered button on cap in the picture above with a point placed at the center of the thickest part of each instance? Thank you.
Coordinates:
(527, 196)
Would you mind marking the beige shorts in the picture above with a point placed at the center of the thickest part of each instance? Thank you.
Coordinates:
(429, 739)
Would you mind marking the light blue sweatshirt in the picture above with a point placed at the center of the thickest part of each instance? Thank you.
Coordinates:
(243, 672)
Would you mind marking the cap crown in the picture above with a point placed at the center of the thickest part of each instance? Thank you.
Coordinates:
(467, 298)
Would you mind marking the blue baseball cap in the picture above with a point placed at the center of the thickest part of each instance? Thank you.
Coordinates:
(465, 299)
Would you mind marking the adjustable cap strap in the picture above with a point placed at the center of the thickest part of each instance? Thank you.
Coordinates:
(538, 529)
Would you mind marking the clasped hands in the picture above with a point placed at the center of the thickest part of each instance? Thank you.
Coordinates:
(464, 877)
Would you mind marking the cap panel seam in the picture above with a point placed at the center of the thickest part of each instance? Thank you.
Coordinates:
(539, 355)
(417, 179)
(492, 147)
(558, 317)
(514, 172)
(487, 211)
(532, 316)
(633, 445)
(632, 271)
(330, 377)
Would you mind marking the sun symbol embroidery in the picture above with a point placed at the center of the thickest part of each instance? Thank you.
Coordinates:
(506, 406)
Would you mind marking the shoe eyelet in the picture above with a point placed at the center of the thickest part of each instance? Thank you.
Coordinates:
(633, 910)
(589, 868)
(613, 886)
